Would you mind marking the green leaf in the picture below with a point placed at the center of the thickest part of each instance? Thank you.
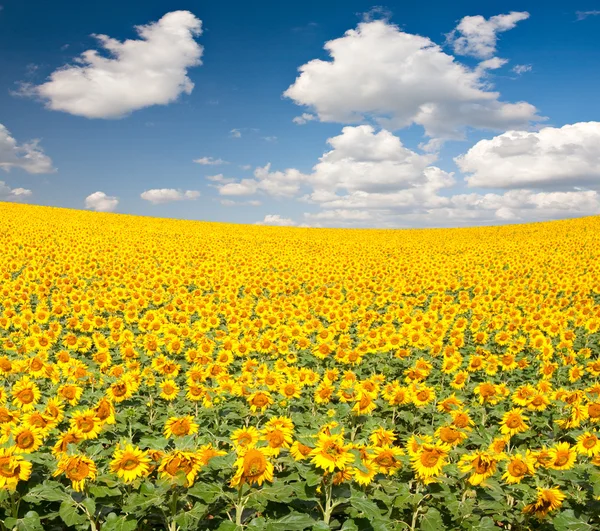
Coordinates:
(312, 478)
(30, 522)
(349, 525)
(118, 523)
(226, 525)
(320, 526)
(207, 492)
(290, 522)
(47, 491)
(192, 518)
(138, 502)
(365, 507)
(432, 520)
(69, 514)
(567, 521)
(103, 492)
(487, 524)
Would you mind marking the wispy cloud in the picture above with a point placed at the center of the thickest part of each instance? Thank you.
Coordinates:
(582, 15)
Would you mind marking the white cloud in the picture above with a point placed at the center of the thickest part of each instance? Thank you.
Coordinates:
(277, 184)
(138, 73)
(270, 138)
(521, 69)
(276, 219)
(582, 15)
(304, 118)
(246, 166)
(100, 202)
(209, 161)
(478, 36)
(12, 194)
(235, 133)
(339, 215)
(557, 157)
(28, 156)
(378, 71)
(219, 178)
(167, 195)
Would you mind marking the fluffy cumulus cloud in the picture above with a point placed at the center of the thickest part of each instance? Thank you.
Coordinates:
(158, 196)
(277, 184)
(100, 202)
(378, 71)
(276, 219)
(477, 35)
(28, 156)
(13, 194)
(552, 157)
(136, 73)
(209, 161)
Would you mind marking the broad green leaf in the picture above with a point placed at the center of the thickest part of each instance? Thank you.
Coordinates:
(47, 491)
(290, 522)
(487, 524)
(191, 519)
(207, 492)
(432, 520)
(365, 507)
(119, 523)
(567, 521)
(69, 513)
(30, 522)
(103, 492)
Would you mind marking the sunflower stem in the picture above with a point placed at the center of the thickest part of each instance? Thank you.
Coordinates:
(239, 508)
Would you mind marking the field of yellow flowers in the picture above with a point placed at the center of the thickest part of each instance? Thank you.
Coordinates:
(165, 374)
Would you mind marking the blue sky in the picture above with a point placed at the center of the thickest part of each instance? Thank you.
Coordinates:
(251, 53)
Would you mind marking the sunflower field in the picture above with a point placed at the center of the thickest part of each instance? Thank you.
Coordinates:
(167, 374)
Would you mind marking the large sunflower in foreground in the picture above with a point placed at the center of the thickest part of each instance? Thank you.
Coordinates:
(253, 466)
(547, 500)
(130, 463)
(330, 452)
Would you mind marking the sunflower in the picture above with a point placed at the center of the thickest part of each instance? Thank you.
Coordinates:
(13, 468)
(119, 391)
(253, 466)
(206, 452)
(450, 435)
(513, 422)
(27, 439)
(300, 451)
(364, 404)
(77, 468)
(86, 424)
(481, 464)
(64, 439)
(562, 456)
(547, 500)
(290, 390)
(277, 438)
(462, 420)
(178, 462)
(259, 401)
(588, 444)
(180, 426)
(382, 437)
(385, 459)
(518, 467)
(130, 463)
(54, 410)
(8, 416)
(421, 397)
(26, 394)
(168, 389)
(71, 393)
(365, 474)
(105, 411)
(429, 460)
(330, 452)
(245, 437)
